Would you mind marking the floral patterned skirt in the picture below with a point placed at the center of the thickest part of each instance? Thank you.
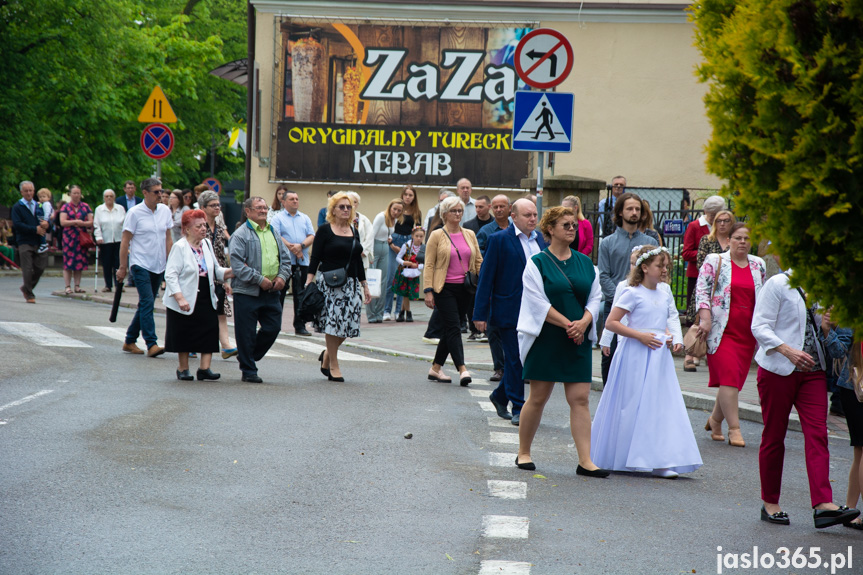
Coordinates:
(342, 308)
(407, 287)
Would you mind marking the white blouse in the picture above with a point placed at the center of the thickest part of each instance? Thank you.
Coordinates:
(108, 224)
(379, 228)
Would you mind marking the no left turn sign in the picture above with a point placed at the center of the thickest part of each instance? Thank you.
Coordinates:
(543, 58)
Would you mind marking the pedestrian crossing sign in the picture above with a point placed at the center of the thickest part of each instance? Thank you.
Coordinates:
(542, 122)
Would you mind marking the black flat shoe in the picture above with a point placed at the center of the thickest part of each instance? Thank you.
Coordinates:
(324, 370)
(830, 517)
(337, 379)
(409, 317)
(529, 466)
(252, 379)
(598, 472)
(853, 525)
(778, 518)
(207, 374)
(184, 375)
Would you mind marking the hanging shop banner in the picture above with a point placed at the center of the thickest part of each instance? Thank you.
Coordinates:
(398, 104)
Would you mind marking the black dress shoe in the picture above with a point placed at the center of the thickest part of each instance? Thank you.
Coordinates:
(778, 518)
(302, 331)
(830, 517)
(252, 379)
(324, 370)
(500, 407)
(529, 466)
(207, 374)
(598, 472)
(853, 525)
(338, 379)
(184, 375)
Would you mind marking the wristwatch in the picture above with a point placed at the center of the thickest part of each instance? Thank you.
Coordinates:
(427, 290)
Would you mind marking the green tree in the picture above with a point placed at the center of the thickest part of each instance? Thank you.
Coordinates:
(76, 73)
(785, 101)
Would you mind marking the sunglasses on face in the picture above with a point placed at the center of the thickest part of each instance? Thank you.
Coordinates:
(343, 207)
(569, 226)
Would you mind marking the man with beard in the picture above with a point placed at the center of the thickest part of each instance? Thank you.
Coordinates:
(614, 252)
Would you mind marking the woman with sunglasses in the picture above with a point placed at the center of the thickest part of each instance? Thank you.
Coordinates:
(337, 247)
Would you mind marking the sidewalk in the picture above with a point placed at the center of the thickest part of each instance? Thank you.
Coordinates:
(405, 340)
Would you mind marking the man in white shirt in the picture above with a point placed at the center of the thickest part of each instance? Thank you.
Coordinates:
(464, 189)
(296, 232)
(145, 245)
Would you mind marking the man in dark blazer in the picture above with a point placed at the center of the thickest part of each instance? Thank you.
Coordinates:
(29, 228)
(498, 298)
(129, 200)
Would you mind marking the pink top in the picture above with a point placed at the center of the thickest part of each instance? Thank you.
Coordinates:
(456, 270)
(585, 237)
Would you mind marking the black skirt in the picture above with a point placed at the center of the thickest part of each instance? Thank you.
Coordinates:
(853, 415)
(197, 332)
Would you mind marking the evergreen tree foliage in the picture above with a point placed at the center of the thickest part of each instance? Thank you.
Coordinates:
(76, 74)
(785, 101)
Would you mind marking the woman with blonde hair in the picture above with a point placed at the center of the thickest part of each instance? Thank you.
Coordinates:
(645, 224)
(583, 242)
(452, 254)
(382, 231)
(337, 255)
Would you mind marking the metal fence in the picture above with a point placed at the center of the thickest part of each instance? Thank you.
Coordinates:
(662, 212)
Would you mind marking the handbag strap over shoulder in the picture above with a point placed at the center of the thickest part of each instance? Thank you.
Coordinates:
(456, 250)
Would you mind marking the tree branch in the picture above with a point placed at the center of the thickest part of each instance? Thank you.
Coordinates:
(189, 7)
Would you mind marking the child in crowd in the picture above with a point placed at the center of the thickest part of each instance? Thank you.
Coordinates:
(5, 249)
(44, 197)
(407, 280)
(641, 422)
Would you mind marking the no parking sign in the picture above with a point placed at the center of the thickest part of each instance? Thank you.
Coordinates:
(157, 141)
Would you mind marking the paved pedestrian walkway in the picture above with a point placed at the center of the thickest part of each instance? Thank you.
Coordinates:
(405, 339)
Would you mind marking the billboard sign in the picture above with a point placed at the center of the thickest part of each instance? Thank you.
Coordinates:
(398, 104)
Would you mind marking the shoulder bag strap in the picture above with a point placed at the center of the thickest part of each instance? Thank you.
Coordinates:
(460, 261)
(557, 265)
(351, 253)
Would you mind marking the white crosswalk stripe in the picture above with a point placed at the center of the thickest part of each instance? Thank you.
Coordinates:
(316, 348)
(119, 334)
(508, 438)
(505, 526)
(504, 568)
(507, 489)
(40, 335)
(495, 421)
(501, 459)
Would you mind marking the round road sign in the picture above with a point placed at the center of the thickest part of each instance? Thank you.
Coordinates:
(157, 141)
(214, 185)
(543, 58)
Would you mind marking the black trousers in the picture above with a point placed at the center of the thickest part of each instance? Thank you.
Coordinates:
(298, 281)
(451, 304)
(109, 256)
(434, 328)
(249, 311)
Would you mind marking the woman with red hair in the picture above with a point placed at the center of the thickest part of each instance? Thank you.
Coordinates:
(192, 270)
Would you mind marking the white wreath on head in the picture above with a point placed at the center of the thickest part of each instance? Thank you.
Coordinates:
(650, 254)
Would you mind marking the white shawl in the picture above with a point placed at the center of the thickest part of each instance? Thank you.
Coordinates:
(535, 305)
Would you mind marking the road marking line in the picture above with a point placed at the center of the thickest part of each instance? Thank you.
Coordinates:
(40, 335)
(496, 421)
(26, 399)
(478, 393)
(501, 459)
(507, 489)
(508, 438)
(119, 334)
(316, 348)
(486, 405)
(504, 568)
(505, 526)
(474, 380)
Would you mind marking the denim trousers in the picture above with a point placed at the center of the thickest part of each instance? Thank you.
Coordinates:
(147, 283)
(375, 308)
(398, 241)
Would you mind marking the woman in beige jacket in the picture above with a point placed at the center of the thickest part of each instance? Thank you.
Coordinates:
(451, 252)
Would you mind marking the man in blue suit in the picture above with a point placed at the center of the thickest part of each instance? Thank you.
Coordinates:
(129, 200)
(498, 298)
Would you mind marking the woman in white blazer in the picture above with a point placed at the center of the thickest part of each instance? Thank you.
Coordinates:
(791, 372)
(190, 275)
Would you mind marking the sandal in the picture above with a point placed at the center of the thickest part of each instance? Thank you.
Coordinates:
(68, 290)
(79, 290)
(715, 435)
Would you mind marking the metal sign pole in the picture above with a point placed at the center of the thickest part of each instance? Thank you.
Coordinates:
(159, 169)
(539, 184)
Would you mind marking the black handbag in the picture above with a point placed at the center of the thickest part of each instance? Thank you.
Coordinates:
(339, 277)
(471, 279)
(311, 303)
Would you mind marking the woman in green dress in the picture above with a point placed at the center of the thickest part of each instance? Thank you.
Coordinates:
(555, 329)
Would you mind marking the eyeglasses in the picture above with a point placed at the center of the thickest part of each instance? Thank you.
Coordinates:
(456, 211)
(569, 226)
(343, 207)
(723, 221)
(618, 185)
(214, 206)
(259, 208)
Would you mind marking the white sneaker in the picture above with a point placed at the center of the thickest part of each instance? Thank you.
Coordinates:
(388, 317)
(431, 340)
(665, 473)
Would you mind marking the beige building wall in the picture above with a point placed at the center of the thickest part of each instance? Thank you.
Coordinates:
(638, 105)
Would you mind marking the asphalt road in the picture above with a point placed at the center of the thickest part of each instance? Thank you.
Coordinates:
(111, 465)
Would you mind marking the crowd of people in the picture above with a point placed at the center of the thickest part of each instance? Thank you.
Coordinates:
(490, 268)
